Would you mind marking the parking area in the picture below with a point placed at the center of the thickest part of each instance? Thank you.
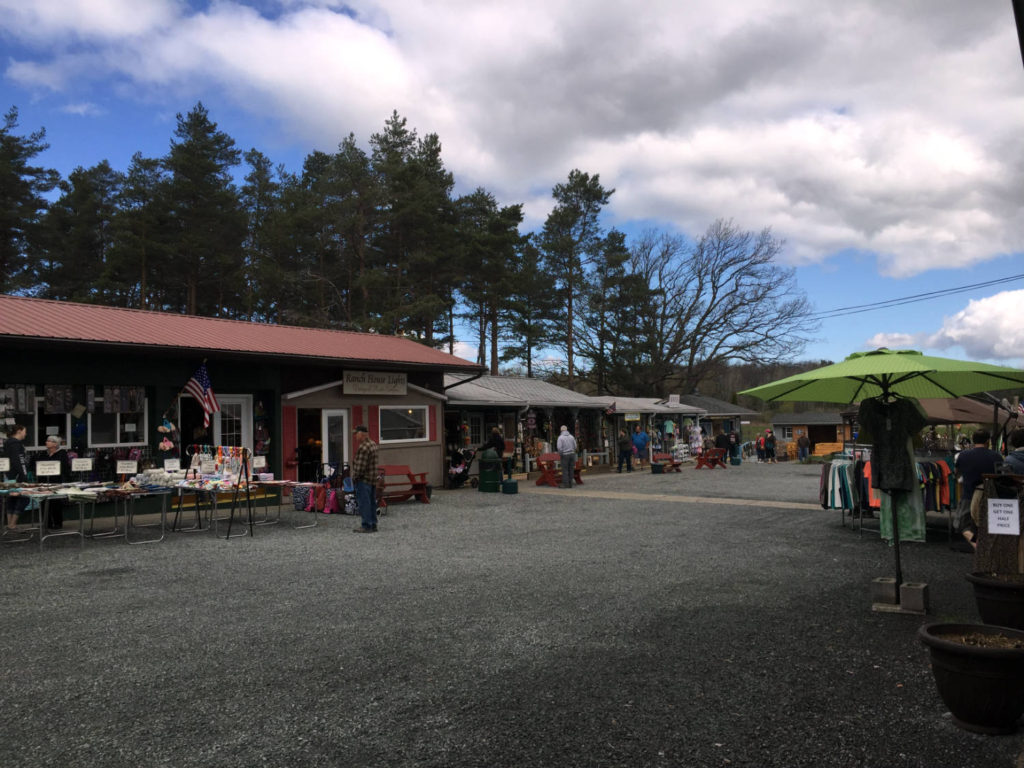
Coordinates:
(705, 618)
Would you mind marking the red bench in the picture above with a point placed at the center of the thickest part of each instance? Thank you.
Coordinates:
(550, 465)
(711, 459)
(399, 483)
(671, 464)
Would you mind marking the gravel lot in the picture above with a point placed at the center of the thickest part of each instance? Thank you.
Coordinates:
(711, 618)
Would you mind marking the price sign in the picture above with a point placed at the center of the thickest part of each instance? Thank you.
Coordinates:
(207, 466)
(5, 464)
(47, 468)
(172, 465)
(81, 465)
(127, 467)
(259, 462)
(1004, 517)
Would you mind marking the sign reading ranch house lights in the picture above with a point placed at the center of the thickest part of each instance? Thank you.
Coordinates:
(374, 383)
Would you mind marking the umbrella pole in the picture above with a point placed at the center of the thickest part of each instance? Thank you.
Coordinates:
(896, 543)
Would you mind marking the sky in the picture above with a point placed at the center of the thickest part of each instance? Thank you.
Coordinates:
(880, 140)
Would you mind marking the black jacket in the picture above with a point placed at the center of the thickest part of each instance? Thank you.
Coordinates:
(14, 450)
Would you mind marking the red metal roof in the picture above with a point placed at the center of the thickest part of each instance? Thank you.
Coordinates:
(29, 318)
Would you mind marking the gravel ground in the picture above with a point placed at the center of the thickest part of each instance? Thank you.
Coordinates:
(711, 618)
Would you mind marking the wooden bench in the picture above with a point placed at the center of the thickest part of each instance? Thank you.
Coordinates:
(712, 458)
(399, 483)
(550, 465)
(671, 464)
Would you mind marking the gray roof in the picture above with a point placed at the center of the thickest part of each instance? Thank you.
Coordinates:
(716, 408)
(647, 405)
(515, 391)
(808, 418)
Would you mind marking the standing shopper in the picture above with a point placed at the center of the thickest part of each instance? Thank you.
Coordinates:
(566, 446)
(625, 446)
(54, 452)
(14, 450)
(364, 477)
(970, 466)
(640, 441)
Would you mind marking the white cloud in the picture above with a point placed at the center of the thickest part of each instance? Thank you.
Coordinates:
(986, 329)
(879, 127)
(83, 109)
(896, 341)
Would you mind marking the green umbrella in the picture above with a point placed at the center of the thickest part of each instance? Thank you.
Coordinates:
(885, 371)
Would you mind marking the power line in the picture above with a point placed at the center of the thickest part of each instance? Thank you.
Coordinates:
(913, 299)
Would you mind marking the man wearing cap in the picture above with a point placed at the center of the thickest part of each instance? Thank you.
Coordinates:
(566, 446)
(364, 478)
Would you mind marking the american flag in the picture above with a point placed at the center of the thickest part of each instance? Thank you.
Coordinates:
(1020, 407)
(199, 387)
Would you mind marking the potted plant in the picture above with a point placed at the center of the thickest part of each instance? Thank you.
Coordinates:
(998, 577)
(979, 672)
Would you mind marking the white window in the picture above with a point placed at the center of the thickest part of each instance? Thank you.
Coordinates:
(110, 430)
(787, 433)
(476, 429)
(403, 423)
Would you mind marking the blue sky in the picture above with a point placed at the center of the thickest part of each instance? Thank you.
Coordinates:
(880, 140)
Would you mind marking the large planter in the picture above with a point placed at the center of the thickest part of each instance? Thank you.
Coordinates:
(1000, 599)
(983, 687)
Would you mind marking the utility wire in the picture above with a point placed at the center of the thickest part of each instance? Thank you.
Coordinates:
(915, 298)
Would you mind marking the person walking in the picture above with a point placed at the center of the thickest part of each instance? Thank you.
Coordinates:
(803, 445)
(364, 478)
(625, 446)
(566, 445)
(769, 447)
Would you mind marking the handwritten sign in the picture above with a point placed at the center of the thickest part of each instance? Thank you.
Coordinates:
(172, 465)
(81, 465)
(258, 462)
(5, 465)
(1004, 517)
(127, 467)
(207, 466)
(47, 468)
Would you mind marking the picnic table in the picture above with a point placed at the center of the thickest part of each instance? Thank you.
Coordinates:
(671, 463)
(550, 465)
(712, 458)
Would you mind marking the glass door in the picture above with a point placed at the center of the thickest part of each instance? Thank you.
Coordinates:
(233, 424)
(334, 428)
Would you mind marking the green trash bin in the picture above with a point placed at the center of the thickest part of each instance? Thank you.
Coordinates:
(490, 471)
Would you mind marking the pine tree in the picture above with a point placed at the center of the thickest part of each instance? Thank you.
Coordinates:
(22, 186)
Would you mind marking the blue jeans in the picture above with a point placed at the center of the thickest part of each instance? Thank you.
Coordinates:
(366, 498)
(627, 457)
(803, 453)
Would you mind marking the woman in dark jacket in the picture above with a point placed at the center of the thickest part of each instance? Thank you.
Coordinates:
(496, 441)
(14, 451)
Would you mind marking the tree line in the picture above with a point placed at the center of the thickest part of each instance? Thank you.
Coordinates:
(377, 241)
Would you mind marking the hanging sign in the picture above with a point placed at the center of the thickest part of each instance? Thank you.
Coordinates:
(81, 465)
(127, 467)
(5, 464)
(374, 383)
(47, 468)
(207, 466)
(1004, 517)
(259, 462)
(631, 416)
(172, 465)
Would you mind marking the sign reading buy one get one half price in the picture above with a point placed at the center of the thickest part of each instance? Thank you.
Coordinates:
(1004, 517)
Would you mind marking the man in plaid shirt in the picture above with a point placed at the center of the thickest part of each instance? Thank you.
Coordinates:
(364, 477)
